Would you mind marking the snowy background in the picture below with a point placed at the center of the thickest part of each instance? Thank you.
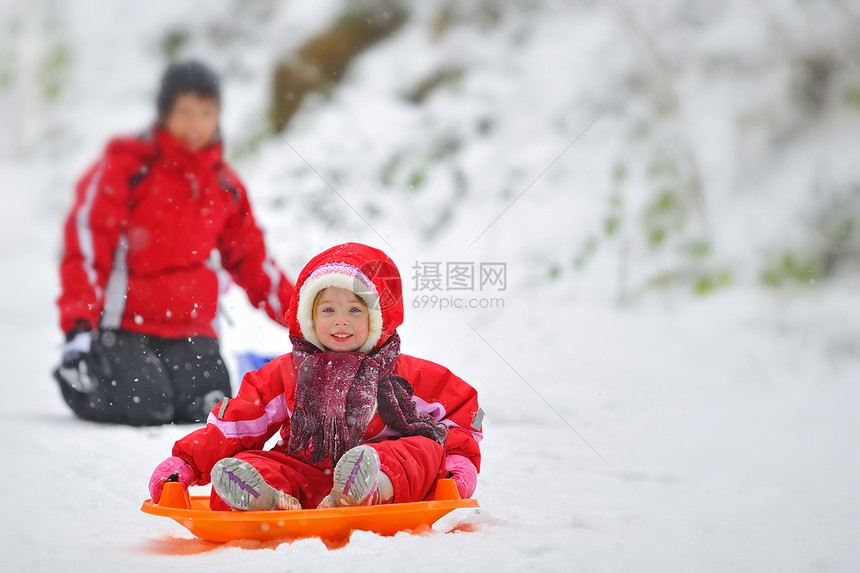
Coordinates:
(671, 376)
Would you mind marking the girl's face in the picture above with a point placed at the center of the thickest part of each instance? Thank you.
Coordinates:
(341, 321)
(193, 120)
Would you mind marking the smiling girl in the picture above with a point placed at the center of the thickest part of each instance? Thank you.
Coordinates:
(360, 423)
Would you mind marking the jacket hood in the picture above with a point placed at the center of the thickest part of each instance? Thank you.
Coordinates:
(364, 270)
(176, 151)
(157, 142)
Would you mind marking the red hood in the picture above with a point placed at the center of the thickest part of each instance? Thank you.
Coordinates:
(175, 150)
(159, 142)
(373, 264)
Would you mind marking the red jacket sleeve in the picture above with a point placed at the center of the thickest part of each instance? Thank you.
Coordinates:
(91, 234)
(261, 407)
(448, 399)
(244, 256)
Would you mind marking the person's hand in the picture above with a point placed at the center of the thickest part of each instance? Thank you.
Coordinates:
(76, 367)
(464, 474)
(165, 470)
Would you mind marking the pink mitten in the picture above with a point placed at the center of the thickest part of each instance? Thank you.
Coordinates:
(464, 474)
(164, 470)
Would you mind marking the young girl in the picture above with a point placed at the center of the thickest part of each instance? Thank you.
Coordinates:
(359, 422)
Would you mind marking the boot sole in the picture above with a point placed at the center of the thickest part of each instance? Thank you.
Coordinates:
(242, 487)
(356, 477)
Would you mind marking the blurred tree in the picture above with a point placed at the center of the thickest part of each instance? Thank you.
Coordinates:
(321, 63)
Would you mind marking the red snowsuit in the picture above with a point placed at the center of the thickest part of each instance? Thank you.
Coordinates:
(239, 427)
(139, 237)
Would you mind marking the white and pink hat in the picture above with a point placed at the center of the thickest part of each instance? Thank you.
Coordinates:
(343, 276)
(364, 270)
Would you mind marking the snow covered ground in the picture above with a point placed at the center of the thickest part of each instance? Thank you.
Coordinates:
(671, 434)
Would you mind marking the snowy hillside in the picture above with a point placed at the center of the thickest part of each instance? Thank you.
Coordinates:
(670, 366)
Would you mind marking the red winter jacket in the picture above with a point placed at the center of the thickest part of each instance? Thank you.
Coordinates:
(141, 234)
(265, 403)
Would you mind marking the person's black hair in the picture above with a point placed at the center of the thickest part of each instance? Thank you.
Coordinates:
(186, 77)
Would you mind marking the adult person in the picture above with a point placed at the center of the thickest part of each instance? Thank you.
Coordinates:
(151, 222)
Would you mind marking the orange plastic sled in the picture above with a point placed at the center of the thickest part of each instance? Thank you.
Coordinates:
(336, 524)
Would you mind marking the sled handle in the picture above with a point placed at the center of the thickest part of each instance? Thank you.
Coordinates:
(174, 495)
(446, 488)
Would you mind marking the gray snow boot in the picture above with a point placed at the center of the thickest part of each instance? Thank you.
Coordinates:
(242, 487)
(356, 479)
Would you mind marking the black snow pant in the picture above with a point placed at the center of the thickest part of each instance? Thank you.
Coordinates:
(145, 380)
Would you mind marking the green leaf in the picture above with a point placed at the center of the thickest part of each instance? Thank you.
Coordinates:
(417, 179)
(700, 249)
(656, 237)
(611, 226)
(854, 97)
(666, 201)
